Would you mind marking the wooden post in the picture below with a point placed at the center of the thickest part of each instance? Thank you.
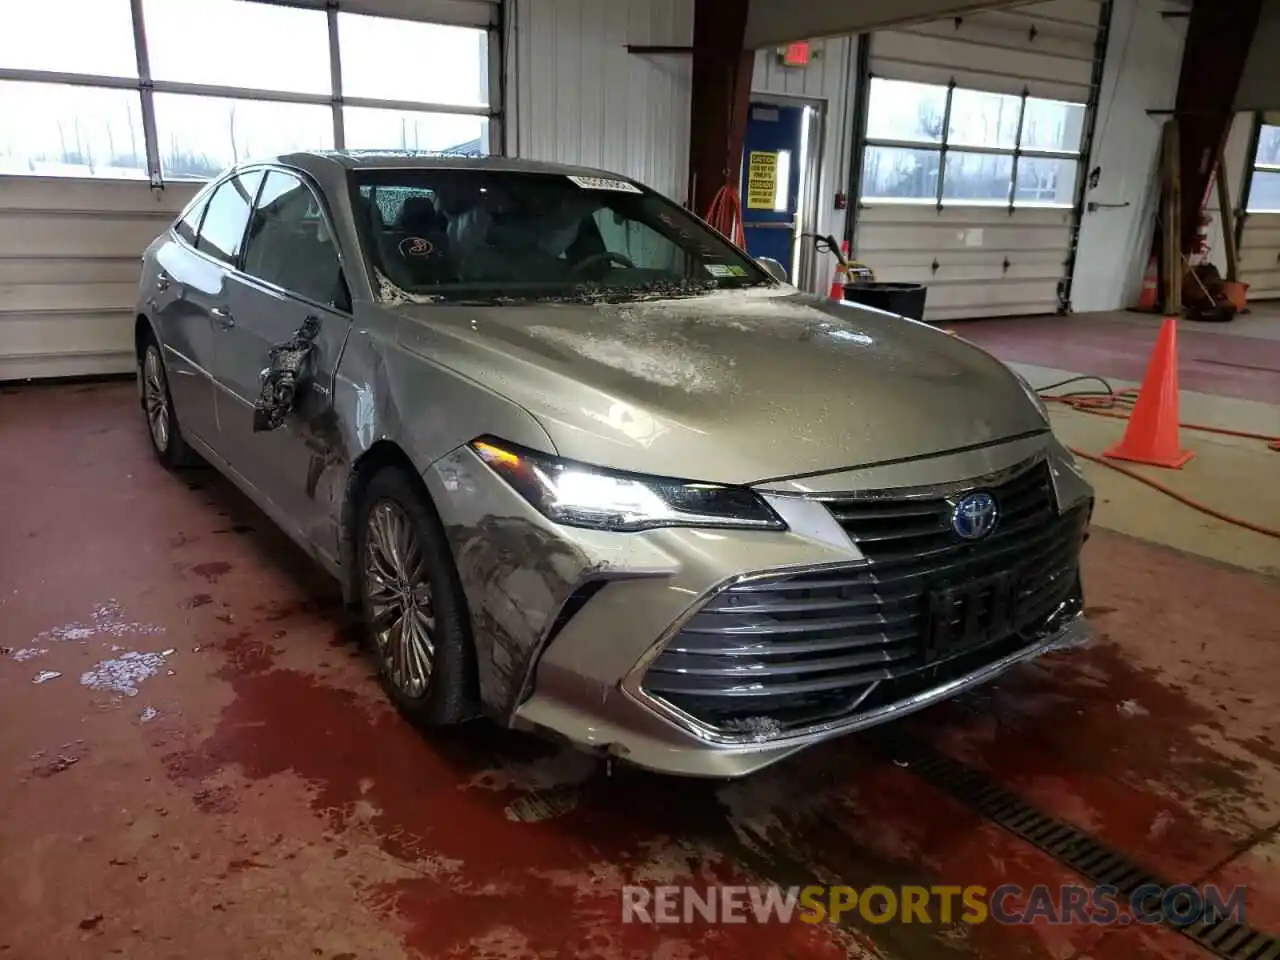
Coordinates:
(1171, 266)
(1227, 217)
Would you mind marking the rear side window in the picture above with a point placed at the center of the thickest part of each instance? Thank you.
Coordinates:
(188, 225)
(224, 223)
(290, 245)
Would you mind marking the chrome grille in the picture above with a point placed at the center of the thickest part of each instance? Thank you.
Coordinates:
(803, 648)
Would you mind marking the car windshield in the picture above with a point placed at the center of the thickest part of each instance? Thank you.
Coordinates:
(497, 236)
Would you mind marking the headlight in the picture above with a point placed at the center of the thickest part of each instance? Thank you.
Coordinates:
(1034, 397)
(579, 495)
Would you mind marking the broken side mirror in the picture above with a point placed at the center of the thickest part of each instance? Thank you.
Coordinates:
(280, 380)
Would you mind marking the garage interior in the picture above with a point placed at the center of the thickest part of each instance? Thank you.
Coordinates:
(198, 761)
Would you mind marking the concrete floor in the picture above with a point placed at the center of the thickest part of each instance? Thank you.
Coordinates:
(206, 768)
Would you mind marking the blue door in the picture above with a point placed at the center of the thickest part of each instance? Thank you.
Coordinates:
(771, 180)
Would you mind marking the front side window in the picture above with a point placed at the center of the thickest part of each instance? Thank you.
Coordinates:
(222, 229)
(290, 244)
(490, 235)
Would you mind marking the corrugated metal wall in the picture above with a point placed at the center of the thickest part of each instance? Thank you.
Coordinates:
(832, 79)
(580, 97)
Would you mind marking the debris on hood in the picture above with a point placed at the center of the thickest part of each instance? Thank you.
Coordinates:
(587, 294)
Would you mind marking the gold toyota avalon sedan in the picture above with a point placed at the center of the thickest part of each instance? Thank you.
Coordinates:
(587, 468)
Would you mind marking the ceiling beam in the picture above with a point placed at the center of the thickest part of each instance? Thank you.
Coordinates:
(776, 22)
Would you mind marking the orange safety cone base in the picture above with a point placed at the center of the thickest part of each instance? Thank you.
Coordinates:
(1173, 463)
(1151, 436)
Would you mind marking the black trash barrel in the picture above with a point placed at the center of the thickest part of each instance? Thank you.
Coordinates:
(905, 299)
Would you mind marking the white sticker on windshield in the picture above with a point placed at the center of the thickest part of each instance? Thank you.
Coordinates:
(602, 183)
(719, 270)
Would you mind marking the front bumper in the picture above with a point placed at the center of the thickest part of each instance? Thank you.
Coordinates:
(569, 622)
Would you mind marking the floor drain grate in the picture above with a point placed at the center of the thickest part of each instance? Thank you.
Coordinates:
(1068, 845)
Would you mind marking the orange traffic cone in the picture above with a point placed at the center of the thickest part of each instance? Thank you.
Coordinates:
(838, 280)
(1152, 434)
(1149, 298)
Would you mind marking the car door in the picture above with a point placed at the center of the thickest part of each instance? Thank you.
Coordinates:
(177, 284)
(191, 297)
(290, 270)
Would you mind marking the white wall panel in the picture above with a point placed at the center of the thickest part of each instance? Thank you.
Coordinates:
(581, 98)
(69, 260)
(1144, 59)
(830, 78)
(1260, 256)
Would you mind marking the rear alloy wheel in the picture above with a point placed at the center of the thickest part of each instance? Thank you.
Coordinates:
(402, 617)
(157, 404)
(414, 609)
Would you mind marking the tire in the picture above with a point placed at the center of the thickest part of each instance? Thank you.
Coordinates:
(442, 694)
(157, 409)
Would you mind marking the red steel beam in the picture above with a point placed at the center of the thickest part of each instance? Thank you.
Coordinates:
(1219, 35)
(721, 96)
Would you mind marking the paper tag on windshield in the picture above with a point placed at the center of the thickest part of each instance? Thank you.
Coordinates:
(719, 270)
(602, 183)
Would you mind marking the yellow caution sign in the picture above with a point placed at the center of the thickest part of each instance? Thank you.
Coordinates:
(762, 180)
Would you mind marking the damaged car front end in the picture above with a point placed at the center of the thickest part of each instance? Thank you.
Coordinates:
(715, 651)
(585, 468)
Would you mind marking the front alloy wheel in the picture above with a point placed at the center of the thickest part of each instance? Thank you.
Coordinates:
(398, 591)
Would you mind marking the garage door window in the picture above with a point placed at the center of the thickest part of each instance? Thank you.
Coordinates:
(257, 46)
(202, 136)
(57, 130)
(69, 36)
(905, 111)
(182, 89)
(403, 60)
(1264, 186)
(958, 146)
(371, 128)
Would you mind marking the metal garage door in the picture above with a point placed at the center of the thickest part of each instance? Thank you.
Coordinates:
(974, 130)
(1260, 238)
(104, 136)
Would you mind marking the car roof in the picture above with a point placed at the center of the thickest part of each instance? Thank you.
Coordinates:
(311, 161)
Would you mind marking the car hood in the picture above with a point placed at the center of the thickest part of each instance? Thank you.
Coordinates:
(730, 386)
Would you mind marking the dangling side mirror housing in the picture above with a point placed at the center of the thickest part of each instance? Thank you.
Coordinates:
(773, 268)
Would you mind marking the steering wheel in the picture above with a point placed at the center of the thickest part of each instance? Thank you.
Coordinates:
(608, 256)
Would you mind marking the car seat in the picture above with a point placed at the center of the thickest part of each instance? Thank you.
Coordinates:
(423, 248)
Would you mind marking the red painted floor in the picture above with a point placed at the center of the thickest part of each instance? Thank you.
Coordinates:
(211, 772)
(1230, 366)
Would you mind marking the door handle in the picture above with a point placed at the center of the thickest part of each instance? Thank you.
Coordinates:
(162, 281)
(222, 318)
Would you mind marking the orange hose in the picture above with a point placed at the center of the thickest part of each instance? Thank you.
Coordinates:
(725, 215)
(1170, 492)
(1101, 406)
